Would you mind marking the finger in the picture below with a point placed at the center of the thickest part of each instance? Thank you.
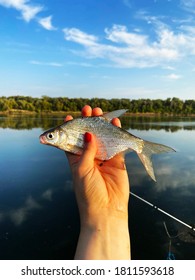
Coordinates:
(97, 111)
(86, 111)
(68, 118)
(116, 122)
(89, 153)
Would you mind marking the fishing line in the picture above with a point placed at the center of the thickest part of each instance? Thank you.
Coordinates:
(162, 211)
(170, 255)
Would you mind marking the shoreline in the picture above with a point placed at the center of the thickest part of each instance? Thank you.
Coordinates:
(31, 113)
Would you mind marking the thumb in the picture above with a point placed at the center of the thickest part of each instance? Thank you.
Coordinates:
(89, 151)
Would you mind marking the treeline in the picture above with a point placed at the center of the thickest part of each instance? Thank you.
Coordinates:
(51, 104)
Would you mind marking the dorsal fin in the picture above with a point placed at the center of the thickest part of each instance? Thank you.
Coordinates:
(114, 114)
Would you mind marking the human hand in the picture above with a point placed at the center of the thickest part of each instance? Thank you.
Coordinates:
(102, 193)
(101, 188)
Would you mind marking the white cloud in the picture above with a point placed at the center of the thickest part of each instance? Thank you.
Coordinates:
(188, 28)
(48, 195)
(120, 34)
(28, 10)
(82, 64)
(173, 77)
(188, 5)
(129, 49)
(167, 67)
(18, 216)
(78, 36)
(13, 3)
(54, 64)
(46, 23)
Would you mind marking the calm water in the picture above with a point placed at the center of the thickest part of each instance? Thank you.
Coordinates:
(38, 212)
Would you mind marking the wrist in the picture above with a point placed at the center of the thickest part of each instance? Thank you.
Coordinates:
(106, 238)
(103, 219)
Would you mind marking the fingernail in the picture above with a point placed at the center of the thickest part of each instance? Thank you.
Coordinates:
(87, 137)
(68, 118)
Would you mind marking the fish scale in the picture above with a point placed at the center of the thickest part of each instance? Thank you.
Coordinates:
(111, 139)
(108, 146)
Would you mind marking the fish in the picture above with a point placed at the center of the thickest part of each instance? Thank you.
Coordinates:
(111, 140)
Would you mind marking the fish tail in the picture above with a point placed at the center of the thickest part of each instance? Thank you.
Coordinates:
(150, 148)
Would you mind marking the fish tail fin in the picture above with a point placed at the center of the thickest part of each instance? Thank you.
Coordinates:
(150, 148)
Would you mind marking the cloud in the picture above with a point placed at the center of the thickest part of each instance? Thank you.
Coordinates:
(120, 34)
(46, 23)
(167, 67)
(188, 28)
(173, 77)
(28, 11)
(52, 64)
(48, 195)
(82, 64)
(18, 216)
(124, 48)
(78, 36)
(169, 176)
(188, 5)
(129, 49)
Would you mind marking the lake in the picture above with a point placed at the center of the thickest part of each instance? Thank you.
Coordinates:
(38, 212)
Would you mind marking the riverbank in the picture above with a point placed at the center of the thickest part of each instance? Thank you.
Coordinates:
(146, 114)
(26, 112)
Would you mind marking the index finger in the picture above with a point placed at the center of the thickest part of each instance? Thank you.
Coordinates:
(97, 112)
(86, 111)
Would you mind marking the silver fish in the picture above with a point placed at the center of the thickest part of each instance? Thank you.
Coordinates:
(111, 139)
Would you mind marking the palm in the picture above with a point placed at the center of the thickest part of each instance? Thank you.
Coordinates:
(110, 175)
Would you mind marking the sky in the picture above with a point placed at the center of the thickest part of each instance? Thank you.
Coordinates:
(98, 48)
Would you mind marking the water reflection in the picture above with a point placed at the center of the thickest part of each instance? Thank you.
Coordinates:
(172, 124)
(21, 122)
(38, 213)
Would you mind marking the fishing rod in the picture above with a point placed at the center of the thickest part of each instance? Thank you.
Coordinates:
(162, 211)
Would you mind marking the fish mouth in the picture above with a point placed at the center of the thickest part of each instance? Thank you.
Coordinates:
(42, 139)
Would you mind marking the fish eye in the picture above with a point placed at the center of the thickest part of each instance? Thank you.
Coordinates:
(50, 135)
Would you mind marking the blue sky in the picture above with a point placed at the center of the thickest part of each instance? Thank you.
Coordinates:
(98, 48)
